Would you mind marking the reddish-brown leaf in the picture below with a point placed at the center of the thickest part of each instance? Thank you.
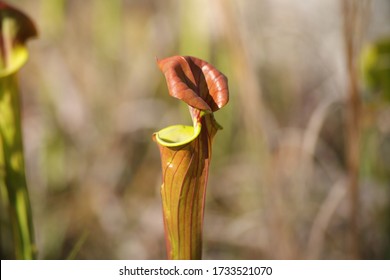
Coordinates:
(25, 28)
(196, 82)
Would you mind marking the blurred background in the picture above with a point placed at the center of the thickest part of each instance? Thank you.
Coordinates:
(278, 188)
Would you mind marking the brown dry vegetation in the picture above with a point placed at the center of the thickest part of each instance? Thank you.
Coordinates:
(93, 96)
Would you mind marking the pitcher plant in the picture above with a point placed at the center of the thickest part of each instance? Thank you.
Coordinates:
(15, 29)
(186, 151)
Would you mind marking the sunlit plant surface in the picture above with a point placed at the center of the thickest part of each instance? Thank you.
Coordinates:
(186, 151)
(15, 29)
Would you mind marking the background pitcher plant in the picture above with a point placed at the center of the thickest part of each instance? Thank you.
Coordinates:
(186, 151)
(15, 29)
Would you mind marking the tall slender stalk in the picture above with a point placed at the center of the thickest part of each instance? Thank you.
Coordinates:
(352, 28)
(186, 152)
(15, 29)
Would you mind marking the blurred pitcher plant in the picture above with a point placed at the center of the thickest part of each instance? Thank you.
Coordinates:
(15, 29)
(186, 151)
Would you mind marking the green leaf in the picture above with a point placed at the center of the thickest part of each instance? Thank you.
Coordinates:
(15, 29)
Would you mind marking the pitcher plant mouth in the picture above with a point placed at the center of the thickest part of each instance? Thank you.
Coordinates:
(15, 29)
(186, 151)
(177, 135)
